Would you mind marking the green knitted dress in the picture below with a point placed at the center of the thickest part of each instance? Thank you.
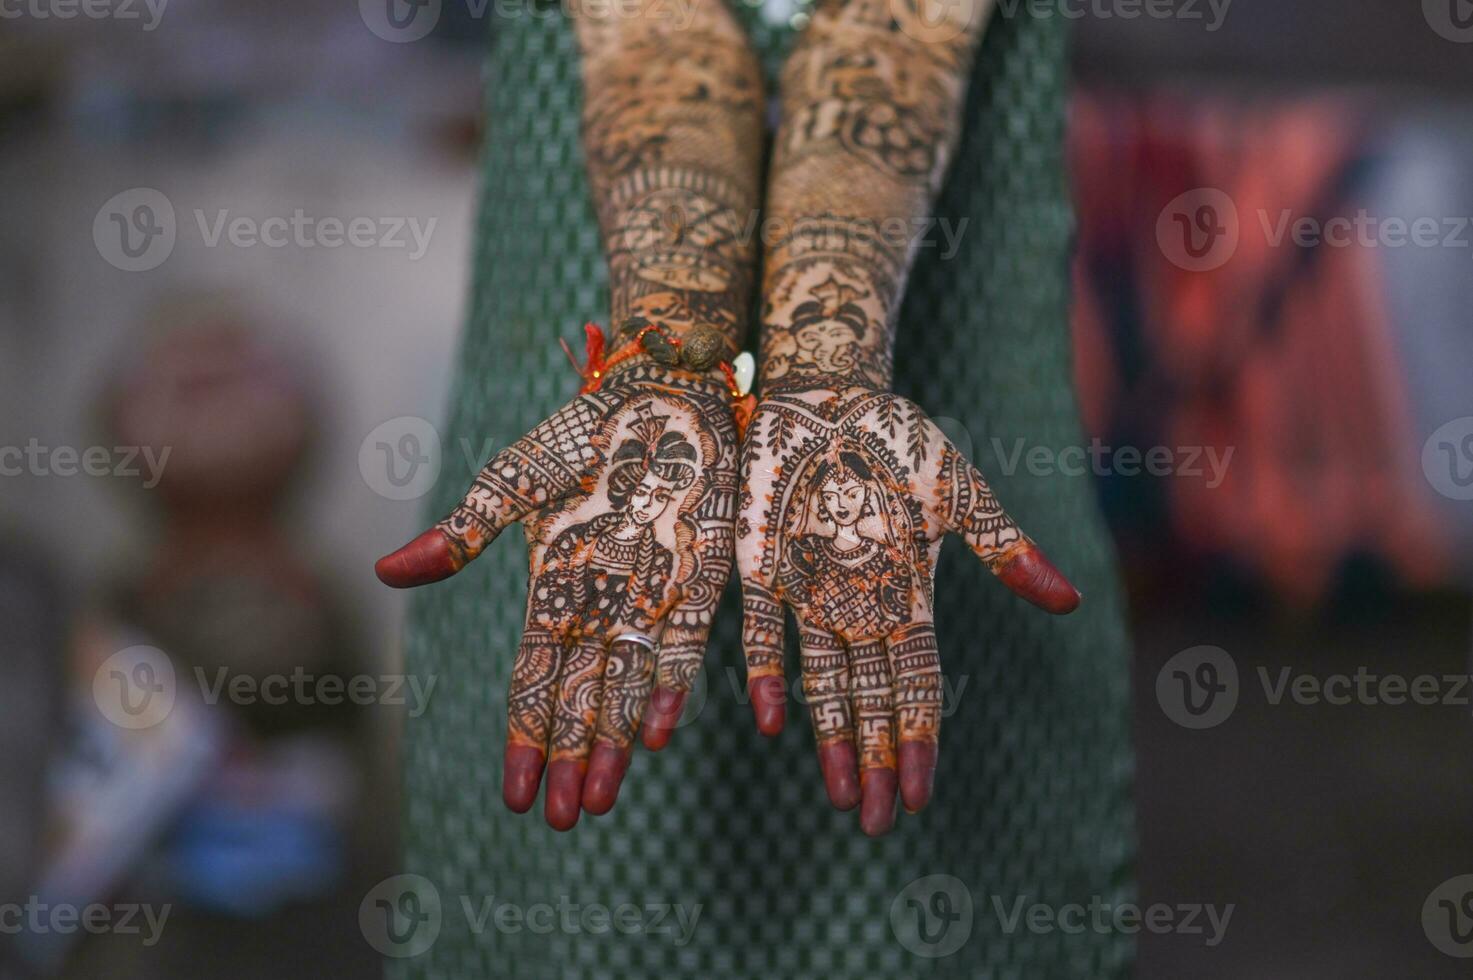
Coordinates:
(723, 857)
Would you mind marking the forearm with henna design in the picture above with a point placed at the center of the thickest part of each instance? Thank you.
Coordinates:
(871, 102)
(848, 489)
(628, 494)
(672, 123)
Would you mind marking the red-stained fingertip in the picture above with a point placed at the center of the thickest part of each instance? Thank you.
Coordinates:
(917, 773)
(521, 774)
(1031, 575)
(840, 768)
(564, 792)
(769, 703)
(428, 558)
(661, 718)
(606, 768)
(877, 810)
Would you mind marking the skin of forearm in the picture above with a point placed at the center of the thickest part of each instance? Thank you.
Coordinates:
(871, 103)
(673, 138)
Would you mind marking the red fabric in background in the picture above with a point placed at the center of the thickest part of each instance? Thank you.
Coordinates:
(1283, 353)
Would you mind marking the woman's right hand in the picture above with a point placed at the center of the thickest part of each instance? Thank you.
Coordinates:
(580, 687)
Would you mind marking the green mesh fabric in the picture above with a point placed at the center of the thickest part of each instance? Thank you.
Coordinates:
(1032, 798)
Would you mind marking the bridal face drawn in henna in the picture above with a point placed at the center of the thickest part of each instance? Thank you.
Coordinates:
(847, 494)
(629, 533)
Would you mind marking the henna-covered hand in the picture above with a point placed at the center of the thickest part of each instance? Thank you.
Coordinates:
(847, 494)
(628, 493)
(848, 489)
(627, 496)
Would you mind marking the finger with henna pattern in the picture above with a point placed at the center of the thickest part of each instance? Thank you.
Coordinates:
(681, 654)
(541, 468)
(874, 712)
(762, 642)
(915, 663)
(969, 508)
(825, 665)
(628, 679)
(575, 713)
(529, 716)
(679, 660)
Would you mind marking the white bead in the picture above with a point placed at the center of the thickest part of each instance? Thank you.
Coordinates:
(745, 369)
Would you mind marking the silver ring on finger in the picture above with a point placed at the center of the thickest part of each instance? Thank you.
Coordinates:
(640, 638)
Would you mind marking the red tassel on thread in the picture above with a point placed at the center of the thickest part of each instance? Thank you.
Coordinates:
(592, 369)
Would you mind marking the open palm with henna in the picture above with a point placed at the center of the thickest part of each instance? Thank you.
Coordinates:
(627, 496)
(847, 494)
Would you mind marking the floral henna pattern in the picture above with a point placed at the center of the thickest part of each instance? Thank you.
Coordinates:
(846, 497)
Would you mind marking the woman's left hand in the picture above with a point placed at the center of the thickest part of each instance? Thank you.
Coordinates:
(846, 495)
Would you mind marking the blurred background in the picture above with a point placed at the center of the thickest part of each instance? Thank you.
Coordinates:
(233, 259)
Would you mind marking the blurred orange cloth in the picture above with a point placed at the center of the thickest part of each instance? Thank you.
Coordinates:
(1283, 353)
